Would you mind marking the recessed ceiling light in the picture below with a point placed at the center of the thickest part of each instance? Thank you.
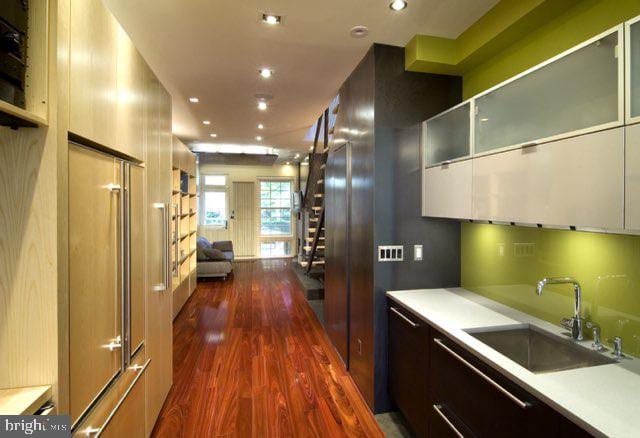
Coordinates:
(206, 122)
(266, 73)
(214, 135)
(262, 106)
(194, 100)
(259, 138)
(359, 31)
(260, 126)
(271, 19)
(398, 5)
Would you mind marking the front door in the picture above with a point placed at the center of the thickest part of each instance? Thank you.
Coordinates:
(243, 225)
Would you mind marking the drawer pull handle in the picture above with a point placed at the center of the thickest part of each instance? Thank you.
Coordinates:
(96, 432)
(438, 409)
(411, 323)
(513, 398)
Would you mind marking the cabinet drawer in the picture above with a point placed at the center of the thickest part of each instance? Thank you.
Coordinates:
(487, 403)
(573, 182)
(408, 365)
(447, 190)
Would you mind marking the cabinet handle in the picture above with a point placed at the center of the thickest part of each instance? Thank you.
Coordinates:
(454, 429)
(92, 431)
(165, 247)
(115, 345)
(114, 187)
(411, 323)
(513, 398)
(529, 144)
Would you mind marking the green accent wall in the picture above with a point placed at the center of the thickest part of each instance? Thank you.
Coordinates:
(504, 263)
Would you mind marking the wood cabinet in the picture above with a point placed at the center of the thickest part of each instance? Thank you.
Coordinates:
(94, 275)
(481, 399)
(130, 98)
(408, 365)
(137, 238)
(447, 190)
(159, 341)
(93, 76)
(106, 86)
(445, 391)
(572, 182)
(128, 420)
(632, 178)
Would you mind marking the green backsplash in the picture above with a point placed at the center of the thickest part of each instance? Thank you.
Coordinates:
(504, 263)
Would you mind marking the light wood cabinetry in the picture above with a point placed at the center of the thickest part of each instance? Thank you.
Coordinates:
(447, 190)
(93, 275)
(130, 99)
(93, 75)
(577, 181)
(632, 178)
(159, 302)
(184, 224)
(128, 421)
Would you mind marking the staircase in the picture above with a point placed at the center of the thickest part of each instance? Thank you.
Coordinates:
(313, 249)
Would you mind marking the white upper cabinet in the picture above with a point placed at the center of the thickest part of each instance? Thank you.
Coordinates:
(632, 178)
(633, 71)
(575, 92)
(578, 181)
(447, 190)
(448, 135)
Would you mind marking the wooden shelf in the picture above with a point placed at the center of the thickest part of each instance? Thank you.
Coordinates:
(24, 118)
(23, 401)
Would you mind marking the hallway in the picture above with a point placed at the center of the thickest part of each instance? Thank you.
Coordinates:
(251, 359)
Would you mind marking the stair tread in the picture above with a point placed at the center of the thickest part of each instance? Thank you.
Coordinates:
(309, 248)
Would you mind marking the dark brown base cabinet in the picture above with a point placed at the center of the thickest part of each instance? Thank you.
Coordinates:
(443, 390)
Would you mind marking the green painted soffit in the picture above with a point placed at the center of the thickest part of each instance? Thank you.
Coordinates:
(506, 22)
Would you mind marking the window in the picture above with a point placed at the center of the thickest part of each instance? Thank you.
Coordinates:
(214, 201)
(275, 208)
(277, 248)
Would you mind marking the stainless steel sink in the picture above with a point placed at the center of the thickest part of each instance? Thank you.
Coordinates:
(538, 351)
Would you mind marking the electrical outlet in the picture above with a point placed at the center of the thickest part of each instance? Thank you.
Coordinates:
(391, 253)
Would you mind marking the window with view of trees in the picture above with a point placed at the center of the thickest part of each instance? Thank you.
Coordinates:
(275, 208)
(214, 201)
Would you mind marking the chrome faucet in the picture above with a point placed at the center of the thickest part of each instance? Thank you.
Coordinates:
(574, 324)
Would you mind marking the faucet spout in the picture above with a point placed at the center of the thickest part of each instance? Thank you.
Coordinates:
(576, 321)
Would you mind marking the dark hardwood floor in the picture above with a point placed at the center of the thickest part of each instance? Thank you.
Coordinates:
(252, 360)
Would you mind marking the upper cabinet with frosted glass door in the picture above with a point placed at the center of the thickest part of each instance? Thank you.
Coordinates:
(633, 71)
(574, 93)
(447, 178)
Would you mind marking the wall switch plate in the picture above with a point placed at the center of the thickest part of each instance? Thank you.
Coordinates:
(391, 253)
(417, 253)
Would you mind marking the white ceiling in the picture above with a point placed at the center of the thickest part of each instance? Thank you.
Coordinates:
(213, 49)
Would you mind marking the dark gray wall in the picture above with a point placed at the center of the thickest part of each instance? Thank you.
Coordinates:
(402, 100)
(381, 105)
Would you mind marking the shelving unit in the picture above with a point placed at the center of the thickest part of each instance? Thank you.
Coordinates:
(184, 225)
(35, 113)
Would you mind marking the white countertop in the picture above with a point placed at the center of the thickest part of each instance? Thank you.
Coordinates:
(604, 399)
